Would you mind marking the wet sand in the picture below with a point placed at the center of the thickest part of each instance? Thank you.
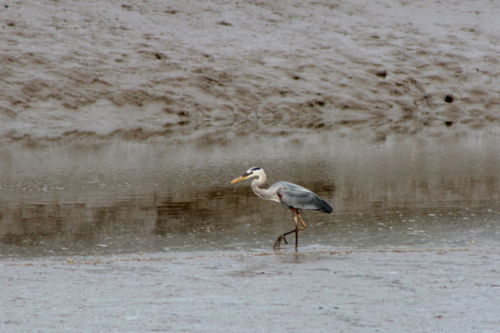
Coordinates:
(121, 125)
(215, 70)
(106, 243)
(360, 291)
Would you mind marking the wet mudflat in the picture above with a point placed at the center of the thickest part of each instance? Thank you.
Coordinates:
(127, 197)
(131, 236)
(121, 125)
(360, 291)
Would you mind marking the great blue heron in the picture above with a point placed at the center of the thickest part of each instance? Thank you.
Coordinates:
(290, 196)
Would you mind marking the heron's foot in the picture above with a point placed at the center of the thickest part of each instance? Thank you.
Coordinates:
(278, 241)
(284, 238)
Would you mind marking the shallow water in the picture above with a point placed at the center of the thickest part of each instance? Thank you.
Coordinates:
(128, 197)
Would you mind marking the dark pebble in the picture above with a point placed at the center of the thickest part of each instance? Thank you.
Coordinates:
(382, 73)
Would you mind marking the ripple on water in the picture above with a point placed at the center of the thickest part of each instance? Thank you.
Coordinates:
(125, 197)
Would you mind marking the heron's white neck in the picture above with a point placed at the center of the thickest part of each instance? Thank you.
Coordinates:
(263, 193)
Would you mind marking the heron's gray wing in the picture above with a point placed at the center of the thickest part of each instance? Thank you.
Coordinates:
(295, 196)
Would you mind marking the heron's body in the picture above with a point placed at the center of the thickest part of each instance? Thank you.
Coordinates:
(290, 195)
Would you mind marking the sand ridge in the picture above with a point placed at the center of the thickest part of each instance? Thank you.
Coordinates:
(216, 69)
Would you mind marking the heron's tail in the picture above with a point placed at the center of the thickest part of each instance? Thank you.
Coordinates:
(324, 206)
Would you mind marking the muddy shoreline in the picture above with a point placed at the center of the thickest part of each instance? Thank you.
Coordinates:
(121, 125)
(421, 291)
(212, 71)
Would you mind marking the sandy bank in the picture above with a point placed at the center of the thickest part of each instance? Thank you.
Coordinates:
(215, 69)
(417, 291)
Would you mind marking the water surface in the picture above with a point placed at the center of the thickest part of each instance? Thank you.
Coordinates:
(127, 197)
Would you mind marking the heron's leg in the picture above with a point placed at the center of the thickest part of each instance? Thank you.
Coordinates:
(296, 231)
(278, 241)
(283, 237)
(301, 221)
(296, 213)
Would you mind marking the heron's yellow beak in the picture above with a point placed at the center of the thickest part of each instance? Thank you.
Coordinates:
(239, 179)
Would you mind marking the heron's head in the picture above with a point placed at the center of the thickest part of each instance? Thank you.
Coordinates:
(252, 172)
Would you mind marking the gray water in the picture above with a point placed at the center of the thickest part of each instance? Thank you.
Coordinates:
(90, 198)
